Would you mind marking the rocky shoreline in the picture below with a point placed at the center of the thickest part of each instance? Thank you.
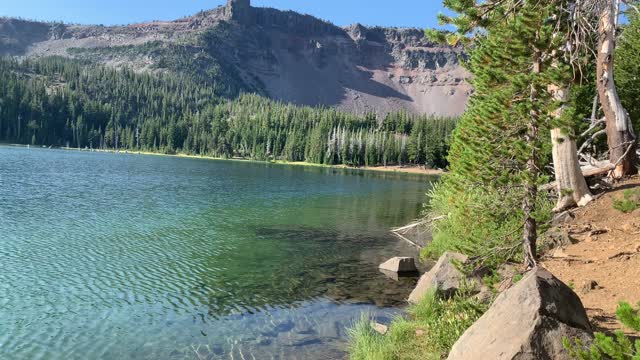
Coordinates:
(534, 314)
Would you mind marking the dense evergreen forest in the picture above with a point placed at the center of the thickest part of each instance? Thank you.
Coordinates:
(59, 102)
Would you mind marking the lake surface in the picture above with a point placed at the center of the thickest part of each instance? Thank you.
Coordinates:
(116, 256)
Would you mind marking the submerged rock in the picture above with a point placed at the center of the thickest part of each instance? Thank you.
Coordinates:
(527, 322)
(444, 277)
(399, 265)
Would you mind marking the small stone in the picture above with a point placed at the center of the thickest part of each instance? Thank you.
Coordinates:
(484, 296)
(420, 332)
(559, 254)
(406, 79)
(589, 285)
(379, 328)
(557, 237)
(562, 218)
(630, 228)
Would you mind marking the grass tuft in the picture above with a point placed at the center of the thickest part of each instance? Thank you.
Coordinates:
(428, 332)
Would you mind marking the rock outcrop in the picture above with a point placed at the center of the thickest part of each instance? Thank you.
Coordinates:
(444, 277)
(527, 322)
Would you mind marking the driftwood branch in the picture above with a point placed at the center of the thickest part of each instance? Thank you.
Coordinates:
(401, 231)
(406, 228)
(407, 240)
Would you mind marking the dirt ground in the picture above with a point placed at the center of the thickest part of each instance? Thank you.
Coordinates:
(607, 251)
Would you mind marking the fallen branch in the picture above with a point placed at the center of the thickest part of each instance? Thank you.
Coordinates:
(407, 240)
(598, 169)
(590, 140)
(594, 125)
(405, 228)
(594, 168)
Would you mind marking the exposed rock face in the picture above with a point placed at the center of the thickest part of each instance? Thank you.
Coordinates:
(239, 10)
(444, 277)
(281, 54)
(399, 265)
(527, 322)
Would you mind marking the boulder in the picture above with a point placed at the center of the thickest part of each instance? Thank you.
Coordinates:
(399, 265)
(444, 277)
(527, 322)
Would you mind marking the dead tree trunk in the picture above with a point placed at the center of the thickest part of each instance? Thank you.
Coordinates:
(620, 136)
(571, 185)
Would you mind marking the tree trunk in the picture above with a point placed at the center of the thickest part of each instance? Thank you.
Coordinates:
(530, 231)
(570, 182)
(620, 136)
(571, 185)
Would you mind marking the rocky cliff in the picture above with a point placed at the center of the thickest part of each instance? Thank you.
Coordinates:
(281, 54)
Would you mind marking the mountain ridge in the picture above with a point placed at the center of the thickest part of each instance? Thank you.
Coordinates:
(279, 54)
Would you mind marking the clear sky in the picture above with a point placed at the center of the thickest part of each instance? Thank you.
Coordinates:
(405, 13)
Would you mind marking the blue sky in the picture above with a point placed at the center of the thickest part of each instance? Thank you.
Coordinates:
(413, 13)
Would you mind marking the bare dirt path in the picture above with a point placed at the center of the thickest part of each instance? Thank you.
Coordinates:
(603, 265)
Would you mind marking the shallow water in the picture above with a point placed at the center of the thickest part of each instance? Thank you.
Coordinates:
(116, 256)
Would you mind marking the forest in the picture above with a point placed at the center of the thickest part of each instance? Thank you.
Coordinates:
(67, 103)
(549, 134)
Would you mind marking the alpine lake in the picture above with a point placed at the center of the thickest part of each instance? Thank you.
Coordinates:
(126, 256)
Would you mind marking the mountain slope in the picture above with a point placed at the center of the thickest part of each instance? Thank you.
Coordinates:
(280, 54)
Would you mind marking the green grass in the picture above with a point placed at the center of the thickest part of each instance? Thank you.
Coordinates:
(630, 201)
(439, 324)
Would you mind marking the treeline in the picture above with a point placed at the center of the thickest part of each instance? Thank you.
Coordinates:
(59, 102)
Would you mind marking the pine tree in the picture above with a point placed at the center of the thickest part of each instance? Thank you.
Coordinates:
(617, 347)
(495, 152)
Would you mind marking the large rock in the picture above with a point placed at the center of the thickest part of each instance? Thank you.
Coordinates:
(399, 265)
(444, 277)
(527, 322)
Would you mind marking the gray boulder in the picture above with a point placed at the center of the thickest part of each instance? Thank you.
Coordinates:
(527, 322)
(399, 265)
(444, 277)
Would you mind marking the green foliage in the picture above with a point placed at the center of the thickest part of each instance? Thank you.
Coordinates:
(54, 101)
(503, 132)
(429, 332)
(484, 222)
(627, 71)
(616, 347)
(199, 58)
(630, 201)
(517, 278)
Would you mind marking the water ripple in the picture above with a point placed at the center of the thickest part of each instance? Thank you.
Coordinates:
(116, 256)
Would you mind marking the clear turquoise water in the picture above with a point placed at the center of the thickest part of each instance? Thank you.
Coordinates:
(116, 256)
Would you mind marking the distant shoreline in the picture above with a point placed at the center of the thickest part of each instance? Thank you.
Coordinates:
(406, 169)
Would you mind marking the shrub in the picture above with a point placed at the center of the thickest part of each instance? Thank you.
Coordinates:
(429, 331)
(482, 222)
(629, 202)
(616, 347)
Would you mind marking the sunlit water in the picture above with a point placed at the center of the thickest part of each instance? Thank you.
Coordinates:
(115, 256)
